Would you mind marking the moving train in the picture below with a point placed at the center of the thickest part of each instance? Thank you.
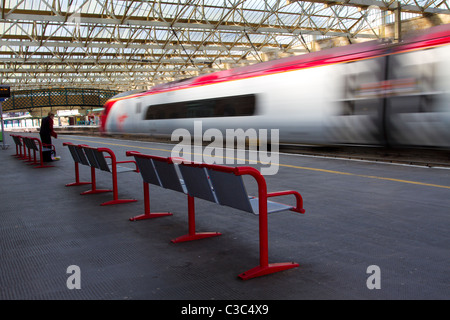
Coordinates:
(375, 93)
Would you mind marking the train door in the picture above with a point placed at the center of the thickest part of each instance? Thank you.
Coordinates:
(417, 109)
(149, 119)
(135, 115)
(357, 115)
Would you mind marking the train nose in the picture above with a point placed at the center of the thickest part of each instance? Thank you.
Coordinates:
(104, 116)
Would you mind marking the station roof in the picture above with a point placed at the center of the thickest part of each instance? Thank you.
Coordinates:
(125, 45)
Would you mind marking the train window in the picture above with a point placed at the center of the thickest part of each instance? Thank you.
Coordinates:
(362, 107)
(348, 108)
(415, 103)
(234, 106)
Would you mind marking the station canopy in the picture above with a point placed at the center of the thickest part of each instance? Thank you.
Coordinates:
(126, 45)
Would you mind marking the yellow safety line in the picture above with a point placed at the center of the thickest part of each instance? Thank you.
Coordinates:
(291, 166)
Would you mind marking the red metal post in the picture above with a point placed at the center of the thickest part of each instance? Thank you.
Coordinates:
(29, 157)
(147, 214)
(299, 200)
(77, 178)
(192, 235)
(42, 165)
(77, 171)
(116, 199)
(18, 149)
(94, 189)
(24, 155)
(264, 267)
(34, 161)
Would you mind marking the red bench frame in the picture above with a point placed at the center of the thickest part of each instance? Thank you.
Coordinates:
(112, 170)
(35, 144)
(19, 144)
(264, 267)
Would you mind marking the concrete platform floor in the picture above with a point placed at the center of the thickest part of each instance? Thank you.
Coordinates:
(358, 215)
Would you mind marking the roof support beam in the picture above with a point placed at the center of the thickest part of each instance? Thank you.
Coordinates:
(383, 5)
(124, 44)
(41, 16)
(60, 43)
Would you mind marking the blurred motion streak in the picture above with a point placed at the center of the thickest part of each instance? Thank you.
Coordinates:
(375, 93)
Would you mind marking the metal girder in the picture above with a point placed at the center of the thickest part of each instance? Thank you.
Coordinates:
(166, 23)
(129, 44)
(412, 6)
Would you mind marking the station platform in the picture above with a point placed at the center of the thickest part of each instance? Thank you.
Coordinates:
(358, 215)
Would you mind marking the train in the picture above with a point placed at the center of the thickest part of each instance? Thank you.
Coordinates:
(375, 93)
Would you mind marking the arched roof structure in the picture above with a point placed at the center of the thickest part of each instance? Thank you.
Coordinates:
(136, 44)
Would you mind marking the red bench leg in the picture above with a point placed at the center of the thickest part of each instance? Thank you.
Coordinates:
(192, 235)
(264, 267)
(29, 158)
(77, 178)
(41, 163)
(147, 214)
(94, 189)
(116, 199)
(264, 270)
(23, 154)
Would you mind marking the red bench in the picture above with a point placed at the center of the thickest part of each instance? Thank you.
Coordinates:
(219, 184)
(20, 148)
(33, 145)
(95, 158)
(78, 156)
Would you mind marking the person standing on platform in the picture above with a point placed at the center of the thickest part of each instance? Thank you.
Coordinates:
(46, 132)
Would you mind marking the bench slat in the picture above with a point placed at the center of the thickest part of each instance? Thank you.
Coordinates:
(148, 171)
(74, 153)
(168, 176)
(272, 206)
(121, 169)
(101, 161)
(82, 156)
(230, 190)
(197, 182)
(91, 158)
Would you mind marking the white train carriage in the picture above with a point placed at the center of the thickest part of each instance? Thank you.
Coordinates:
(374, 93)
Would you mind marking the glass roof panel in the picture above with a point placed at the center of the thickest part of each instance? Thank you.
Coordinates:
(107, 41)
